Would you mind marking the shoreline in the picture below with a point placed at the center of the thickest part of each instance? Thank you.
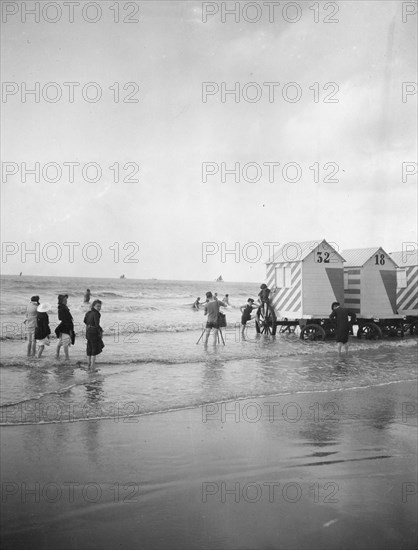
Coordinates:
(182, 482)
(194, 406)
(46, 392)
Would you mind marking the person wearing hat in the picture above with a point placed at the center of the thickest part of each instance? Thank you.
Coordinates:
(264, 294)
(42, 330)
(94, 332)
(30, 321)
(264, 299)
(65, 330)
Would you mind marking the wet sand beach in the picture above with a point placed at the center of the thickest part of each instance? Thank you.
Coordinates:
(326, 470)
(158, 156)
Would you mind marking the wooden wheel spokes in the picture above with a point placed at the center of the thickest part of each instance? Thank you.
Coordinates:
(393, 329)
(312, 332)
(411, 327)
(265, 322)
(370, 331)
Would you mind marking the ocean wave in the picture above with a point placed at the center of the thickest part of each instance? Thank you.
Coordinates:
(144, 295)
(13, 310)
(108, 307)
(297, 348)
(108, 294)
(117, 308)
(131, 410)
(111, 295)
(16, 331)
(61, 391)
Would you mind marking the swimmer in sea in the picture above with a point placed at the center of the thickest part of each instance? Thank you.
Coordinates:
(196, 305)
(87, 296)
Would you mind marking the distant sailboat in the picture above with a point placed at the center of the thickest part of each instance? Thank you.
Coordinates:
(122, 276)
(219, 279)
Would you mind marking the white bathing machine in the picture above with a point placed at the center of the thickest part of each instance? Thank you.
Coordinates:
(370, 291)
(305, 278)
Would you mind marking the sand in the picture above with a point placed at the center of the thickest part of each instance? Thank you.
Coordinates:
(332, 470)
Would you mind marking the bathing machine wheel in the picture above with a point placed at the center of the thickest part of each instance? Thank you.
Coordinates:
(411, 327)
(393, 328)
(370, 331)
(312, 332)
(265, 320)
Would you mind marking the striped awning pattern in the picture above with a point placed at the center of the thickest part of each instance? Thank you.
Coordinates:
(407, 298)
(286, 299)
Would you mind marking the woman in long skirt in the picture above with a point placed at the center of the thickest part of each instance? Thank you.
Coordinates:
(94, 332)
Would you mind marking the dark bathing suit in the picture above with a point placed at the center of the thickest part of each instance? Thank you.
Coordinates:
(246, 314)
(212, 309)
(341, 315)
(93, 333)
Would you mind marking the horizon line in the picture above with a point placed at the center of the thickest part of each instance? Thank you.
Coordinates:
(126, 278)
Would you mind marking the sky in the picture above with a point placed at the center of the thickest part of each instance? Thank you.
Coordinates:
(336, 127)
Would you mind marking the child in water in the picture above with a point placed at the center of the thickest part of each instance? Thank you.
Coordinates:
(30, 321)
(246, 312)
(264, 294)
(42, 330)
(264, 299)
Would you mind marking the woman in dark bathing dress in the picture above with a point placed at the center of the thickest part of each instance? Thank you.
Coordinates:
(65, 330)
(340, 316)
(94, 332)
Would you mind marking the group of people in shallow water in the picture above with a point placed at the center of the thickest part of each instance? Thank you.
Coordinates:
(38, 330)
(213, 304)
(343, 318)
(198, 303)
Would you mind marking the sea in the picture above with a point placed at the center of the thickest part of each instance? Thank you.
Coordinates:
(154, 359)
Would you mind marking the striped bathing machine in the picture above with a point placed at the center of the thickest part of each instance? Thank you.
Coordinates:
(407, 282)
(370, 291)
(305, 278)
